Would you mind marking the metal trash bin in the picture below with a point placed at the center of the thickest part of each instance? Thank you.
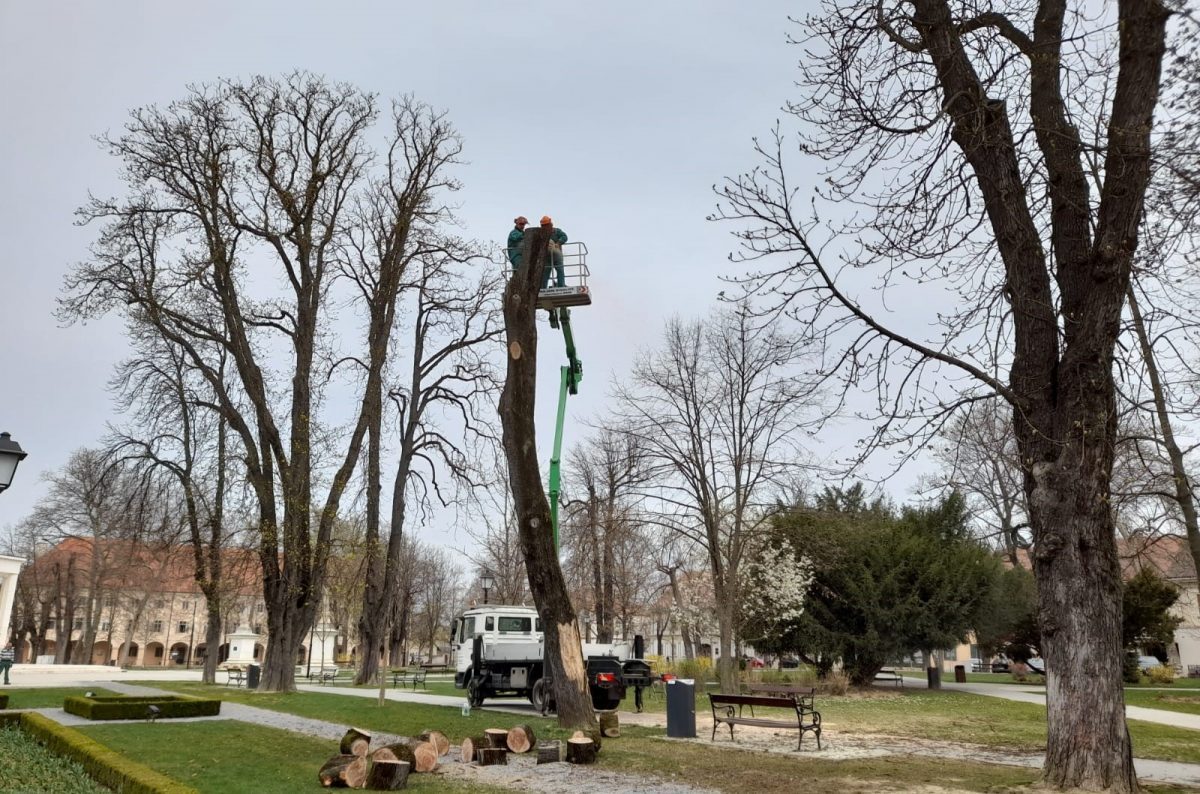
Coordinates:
(960, 674)
(681, 708)
(253, 674)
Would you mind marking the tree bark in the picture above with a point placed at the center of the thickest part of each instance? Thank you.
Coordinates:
(563, 648)
(549, 752)
(581, 751)
(491, 756)
(386, 775)
(355, 742)
(343, 771)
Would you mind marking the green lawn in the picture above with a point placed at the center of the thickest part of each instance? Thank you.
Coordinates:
(225, 756)
(27, 767)
(49, 697)
(1185, 700)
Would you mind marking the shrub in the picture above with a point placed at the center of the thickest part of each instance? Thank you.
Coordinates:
(128, 707)
(105, 766)
(835, 683)
(3, 702)
(1130, 672)
(1162, 674)
(699, 669)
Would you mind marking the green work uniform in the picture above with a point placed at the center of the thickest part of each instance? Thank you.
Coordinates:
(557, 238)
(515, 237)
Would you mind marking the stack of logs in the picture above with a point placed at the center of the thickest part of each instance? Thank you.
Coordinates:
(495, 744)
(385, 768)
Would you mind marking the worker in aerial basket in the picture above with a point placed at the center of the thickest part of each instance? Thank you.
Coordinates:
(557, 238)
(515, 238)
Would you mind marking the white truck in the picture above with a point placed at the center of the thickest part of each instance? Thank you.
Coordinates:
(499, 650)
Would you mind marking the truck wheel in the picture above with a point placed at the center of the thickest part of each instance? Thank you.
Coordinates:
(475, 694)
(539, 696)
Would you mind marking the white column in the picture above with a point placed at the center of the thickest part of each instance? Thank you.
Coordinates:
(9, 568)
(324, 654)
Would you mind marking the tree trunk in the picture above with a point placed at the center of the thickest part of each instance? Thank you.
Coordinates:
(388, 775)
(212, 641)
(581, 751)
(438, 740)
(343, 771)
(287, 625)
(549, 752)
(395, 752)
(726, 666)
(521, 739)
(563, 649)
(426, 756)
(610, 724)
(355, 742)
(497, 737)
(473, 744)
(491, 756)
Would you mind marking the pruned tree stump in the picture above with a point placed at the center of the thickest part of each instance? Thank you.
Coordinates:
(549, 753)
(491, 756)
(344, 771)
(425, 757)
(497, 737)
(472, 745)
(395, 752)
(355, 742)
(521, 739)
(438, 740)
(388, 775)
(610, 726)
(581, 750)
(592, 733)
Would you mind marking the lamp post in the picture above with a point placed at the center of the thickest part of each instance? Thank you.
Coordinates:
(10, 455)
(487, 581)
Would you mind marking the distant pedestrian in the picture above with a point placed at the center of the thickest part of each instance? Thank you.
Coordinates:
(557, 238)
(515, 238)
(7, 657)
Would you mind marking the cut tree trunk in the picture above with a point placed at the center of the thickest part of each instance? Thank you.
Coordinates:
(497, 737)
(388, 775)
(581, 750)
(343, 771)
(355, 742)
(593, 733)
(395, 752)
(563, 649)
(491, 756)
(426, 757)
(472, 745)
(549, 753)
(438, 740)
(521, 739)
(610, 726)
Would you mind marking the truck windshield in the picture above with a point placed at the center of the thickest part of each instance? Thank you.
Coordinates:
(509, 625)
(468, 629)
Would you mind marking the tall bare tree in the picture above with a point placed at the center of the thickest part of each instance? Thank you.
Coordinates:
(564, 648)
(987, 125)
(716, 412)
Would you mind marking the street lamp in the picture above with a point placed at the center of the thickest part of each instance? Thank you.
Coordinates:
(487, 581)
(10, 455)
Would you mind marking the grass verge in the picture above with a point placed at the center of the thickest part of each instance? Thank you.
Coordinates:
(1186, 701)
(48, 698)
(225, 756)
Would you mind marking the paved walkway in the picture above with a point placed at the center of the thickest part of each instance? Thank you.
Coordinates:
(1176, 719)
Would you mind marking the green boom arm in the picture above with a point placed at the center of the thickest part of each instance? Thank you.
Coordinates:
(570, 376)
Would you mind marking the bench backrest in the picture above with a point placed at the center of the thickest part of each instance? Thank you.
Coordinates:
(782, 689)
(752, 700)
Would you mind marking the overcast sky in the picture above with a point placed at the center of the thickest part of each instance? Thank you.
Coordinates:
(643, 107)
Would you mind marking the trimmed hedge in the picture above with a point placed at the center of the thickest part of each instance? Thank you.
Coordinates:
(3, 702)
(107, 767)
(133, 707)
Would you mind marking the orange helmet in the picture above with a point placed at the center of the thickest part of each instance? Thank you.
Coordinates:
(546, 221)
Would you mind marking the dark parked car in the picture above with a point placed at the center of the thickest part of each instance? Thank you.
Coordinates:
(789, 662)
(1000, 666)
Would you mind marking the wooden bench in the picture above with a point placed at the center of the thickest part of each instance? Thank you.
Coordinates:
(887, 674)
(236, 676)
(412, 675)
(803, 717)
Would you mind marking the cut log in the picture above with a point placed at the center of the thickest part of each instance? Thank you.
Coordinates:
(491, 756)
(426, 757)
(356, 742)
(610, 726)
(343, 771)
(388, 775)
(581, 750)
(438, 740)
(395, 752)
(521, 739)
(592, 733)
(497, 737)
(472, 745)
(549, 753)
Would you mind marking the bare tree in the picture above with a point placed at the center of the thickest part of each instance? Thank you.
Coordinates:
(716, 412)
(986, 126)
